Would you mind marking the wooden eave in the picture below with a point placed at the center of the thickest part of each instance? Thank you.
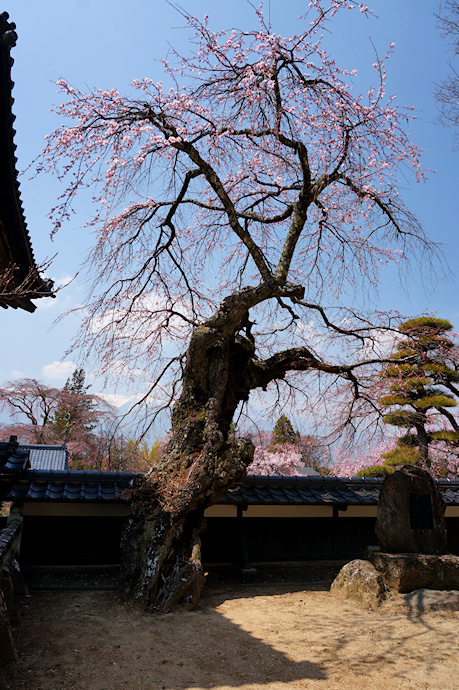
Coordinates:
(20, 281)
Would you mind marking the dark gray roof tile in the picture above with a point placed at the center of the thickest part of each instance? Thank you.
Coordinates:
(64, 486)
(97, 486)
(13, 462)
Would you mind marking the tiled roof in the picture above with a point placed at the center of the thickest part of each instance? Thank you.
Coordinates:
(46, 457)
(256, 490)
(74, 485)
(16, 255)
(12, 460)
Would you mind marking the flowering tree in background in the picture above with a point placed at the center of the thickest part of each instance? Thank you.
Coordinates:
(36, 402)
(286, 460)
(69, 415)
(257, 164)
(278, 453)
(444, 459)
(286, 452)
(360, 461)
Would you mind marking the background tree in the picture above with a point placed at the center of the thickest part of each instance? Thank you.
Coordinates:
(255, 163)
(278, 453)
(128, 454)
(283, 432)
(423, 390)
(360, 461)
(286, 452)
(447, 93)
(36, 402)
(316, 453)
(280, 460)
(76, 412)
(69, 415)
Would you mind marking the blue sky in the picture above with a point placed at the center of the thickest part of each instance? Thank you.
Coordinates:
(108, 43)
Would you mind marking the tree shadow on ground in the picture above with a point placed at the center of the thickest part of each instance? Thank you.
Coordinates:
(256, 637)
(94, 640)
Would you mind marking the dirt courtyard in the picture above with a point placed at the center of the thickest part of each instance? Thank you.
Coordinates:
(271, 637)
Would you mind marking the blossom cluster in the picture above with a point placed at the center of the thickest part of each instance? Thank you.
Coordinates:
(284, 460)
(253, 160)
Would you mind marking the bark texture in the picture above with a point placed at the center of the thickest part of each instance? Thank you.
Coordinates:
(161, 542)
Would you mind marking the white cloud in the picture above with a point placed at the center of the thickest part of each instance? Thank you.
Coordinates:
(67, 296)
(116, 399)
(46, 303)
(149, 314)
(58, 371)
(380, 345)
(63, 281)
(16, 374)
(120, 369)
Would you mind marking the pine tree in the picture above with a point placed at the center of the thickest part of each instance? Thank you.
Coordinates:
(76, 409)
(283, 432)
(422, 390)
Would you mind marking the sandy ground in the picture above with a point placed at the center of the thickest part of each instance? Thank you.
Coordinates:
(271, 637)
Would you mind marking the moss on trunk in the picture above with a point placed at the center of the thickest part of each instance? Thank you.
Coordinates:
(161, 543)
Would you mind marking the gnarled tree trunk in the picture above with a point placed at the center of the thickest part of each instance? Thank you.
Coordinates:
(161, 542)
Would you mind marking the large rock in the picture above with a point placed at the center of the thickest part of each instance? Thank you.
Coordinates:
(411, 513)
(360, 581)
(407, 572)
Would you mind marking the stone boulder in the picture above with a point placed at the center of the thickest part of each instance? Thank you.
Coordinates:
(408, 572)
(359, 580)
(411, 513)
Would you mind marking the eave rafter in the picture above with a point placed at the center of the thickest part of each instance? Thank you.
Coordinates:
(20, 279)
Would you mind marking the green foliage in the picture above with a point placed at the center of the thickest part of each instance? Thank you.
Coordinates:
(133, 455)
(393, 400)
(401, 418)
(232, 433)
(444, 435)
(428, 402)
(417, 387)
(401, 455)
(412, 383)
(405, 453)
(375, 471)
(422, 326)
(407, 440)
(75, 413)
(283, 432)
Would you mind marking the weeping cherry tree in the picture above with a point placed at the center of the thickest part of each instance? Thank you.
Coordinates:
(241, 208)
